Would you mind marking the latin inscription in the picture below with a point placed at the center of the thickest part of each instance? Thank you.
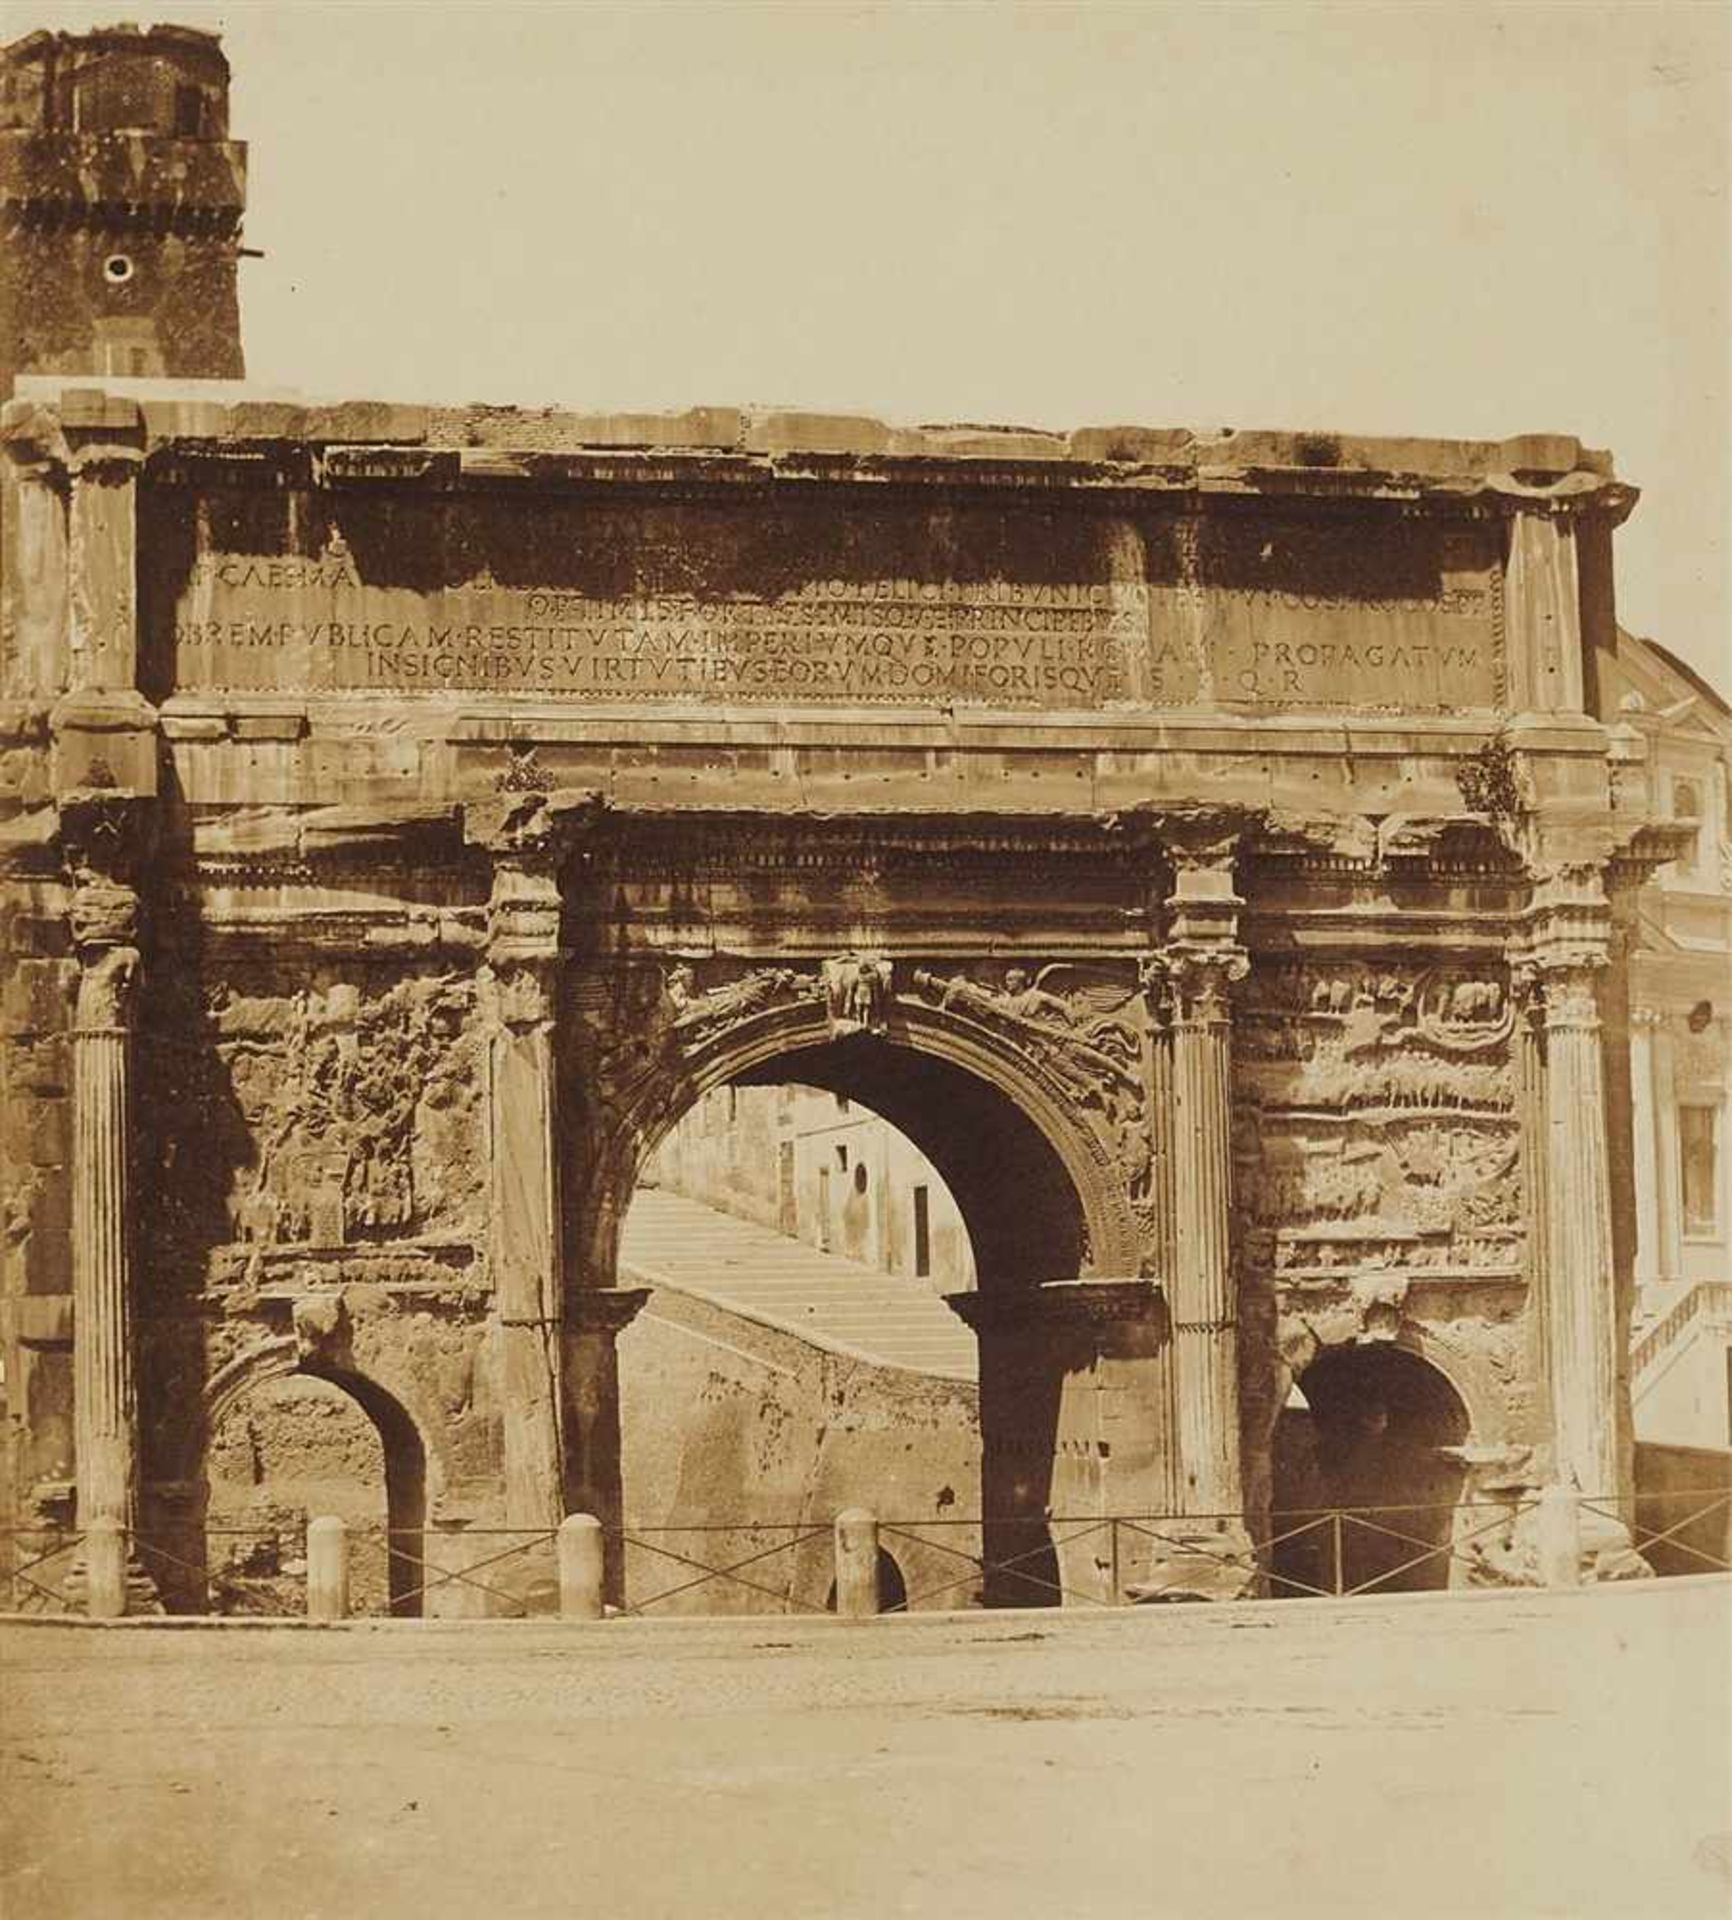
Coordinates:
(1271, 616)
(1004, 643)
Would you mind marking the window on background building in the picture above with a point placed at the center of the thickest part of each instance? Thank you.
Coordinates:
(1699, 1156)
(1687, 810)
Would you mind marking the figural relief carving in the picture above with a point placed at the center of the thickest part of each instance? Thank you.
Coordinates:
(1377, 1123)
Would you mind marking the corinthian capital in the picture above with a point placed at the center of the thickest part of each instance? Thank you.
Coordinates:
(1200, 978)
(103, 914)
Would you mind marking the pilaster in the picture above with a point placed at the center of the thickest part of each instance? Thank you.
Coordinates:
(1542, 611)
(594, 1319)
(104, 729)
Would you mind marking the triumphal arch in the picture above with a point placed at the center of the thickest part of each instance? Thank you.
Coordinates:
(1202, 846)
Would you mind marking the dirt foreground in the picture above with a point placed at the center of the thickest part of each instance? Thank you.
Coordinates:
(1525, 1755)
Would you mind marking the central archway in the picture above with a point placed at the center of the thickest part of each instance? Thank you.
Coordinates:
(1038, 1200)
(1023, 1213)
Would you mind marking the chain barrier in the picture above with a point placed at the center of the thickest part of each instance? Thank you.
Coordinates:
(408, 1565)
(256, 1572)
(38, 1570)
(1660, 1544)
(648, 1541)
(1096, 1561)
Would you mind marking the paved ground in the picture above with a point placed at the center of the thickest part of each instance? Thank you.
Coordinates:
(1509, 1755)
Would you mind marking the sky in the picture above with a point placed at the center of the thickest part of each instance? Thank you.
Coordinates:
(1469, 220)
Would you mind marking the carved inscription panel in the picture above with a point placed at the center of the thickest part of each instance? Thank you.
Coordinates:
(879, 603)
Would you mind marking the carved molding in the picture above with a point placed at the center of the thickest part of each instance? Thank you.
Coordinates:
(603, 1309)
(1091, 1302)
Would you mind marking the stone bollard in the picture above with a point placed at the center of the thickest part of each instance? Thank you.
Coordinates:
(856, 1564)
(1559, 1537)
(105, 1570)
(327, 1569)
(582, 1563)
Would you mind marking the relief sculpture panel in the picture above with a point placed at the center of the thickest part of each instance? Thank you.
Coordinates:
(345, 1113)
(1378, 1136)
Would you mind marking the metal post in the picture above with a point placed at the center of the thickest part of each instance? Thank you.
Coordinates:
(105, 1568)
(582, 1565)
(327, 1568)
(856, 1564)
(1337, 1574)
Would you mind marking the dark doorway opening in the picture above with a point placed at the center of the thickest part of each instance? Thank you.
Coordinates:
(1365, 1493)
(306, 1444)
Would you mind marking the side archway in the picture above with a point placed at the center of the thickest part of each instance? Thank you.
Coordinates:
(267, 1373)
(1366, 1477)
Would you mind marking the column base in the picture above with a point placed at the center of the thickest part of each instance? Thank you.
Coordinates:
(142, 1597)
(1518, 1554)
(1193, 1560)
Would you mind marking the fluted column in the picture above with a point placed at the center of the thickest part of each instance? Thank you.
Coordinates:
(1580, 1301)
(1530, 1064)
(1570, 948)
(1201, 961)
(519, 995)
(1158, 1081)
(1205, 1311)
(104, 927)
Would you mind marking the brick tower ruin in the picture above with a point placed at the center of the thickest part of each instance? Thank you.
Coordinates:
(121, 198)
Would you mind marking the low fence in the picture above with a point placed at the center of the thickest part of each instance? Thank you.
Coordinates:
(863, 1564)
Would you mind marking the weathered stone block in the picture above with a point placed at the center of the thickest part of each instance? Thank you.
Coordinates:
(43, 1127)
(48, 1262)
(105, 741)
(269, 726)
(43, 1319)
(37, 996)
(90, 410)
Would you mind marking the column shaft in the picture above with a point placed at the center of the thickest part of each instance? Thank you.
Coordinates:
(523, 1247)
(1581, 1317)
(1205, 1317)
(1159, 1080)
(102, 1359)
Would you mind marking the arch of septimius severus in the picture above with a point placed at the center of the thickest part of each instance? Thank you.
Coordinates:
(1202, 848)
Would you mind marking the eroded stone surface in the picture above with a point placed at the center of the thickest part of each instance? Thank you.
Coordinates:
(1196, 845)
